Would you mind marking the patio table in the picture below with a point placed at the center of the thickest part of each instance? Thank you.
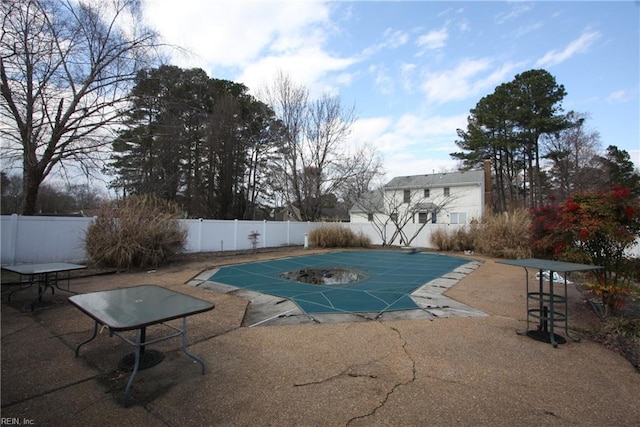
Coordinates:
(136, 308)
(551, 307)
(45, 275)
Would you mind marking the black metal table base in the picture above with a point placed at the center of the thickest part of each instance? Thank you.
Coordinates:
(545, 336)
(44, 281)
(148, 359)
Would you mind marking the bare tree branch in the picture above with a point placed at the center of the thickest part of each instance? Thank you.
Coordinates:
(66, 68)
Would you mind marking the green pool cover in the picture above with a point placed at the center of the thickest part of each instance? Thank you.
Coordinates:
(389, 278)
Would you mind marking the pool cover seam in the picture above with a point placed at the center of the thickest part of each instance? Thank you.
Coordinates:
(427, 274)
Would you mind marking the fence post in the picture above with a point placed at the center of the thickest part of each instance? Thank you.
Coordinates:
(288, 232)
(199, 235)
(264, 233)
(13, 238)
(235, 234)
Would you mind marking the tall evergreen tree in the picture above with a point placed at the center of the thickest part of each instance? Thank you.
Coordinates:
(189, 140)
(536, 110)
(618, 169)
(505, 127)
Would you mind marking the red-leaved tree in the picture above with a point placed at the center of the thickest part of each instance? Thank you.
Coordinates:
(594, 228)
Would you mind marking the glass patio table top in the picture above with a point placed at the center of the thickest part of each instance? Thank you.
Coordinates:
(139, 306)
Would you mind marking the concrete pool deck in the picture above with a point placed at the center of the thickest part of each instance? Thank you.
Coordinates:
(429, 371)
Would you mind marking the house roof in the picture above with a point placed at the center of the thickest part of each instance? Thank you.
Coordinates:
(290, 212)
(371, 201)
(436, 180)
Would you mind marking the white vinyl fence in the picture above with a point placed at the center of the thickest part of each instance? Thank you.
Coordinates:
(38, 239)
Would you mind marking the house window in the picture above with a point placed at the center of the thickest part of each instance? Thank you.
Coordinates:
(423, 217)
(370, 217)
(447, 193)
(458, 218)
(394, 217)
(426, 193)
(434, 217)
(407, 196)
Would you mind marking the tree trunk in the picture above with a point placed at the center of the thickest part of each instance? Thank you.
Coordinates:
(30, 187)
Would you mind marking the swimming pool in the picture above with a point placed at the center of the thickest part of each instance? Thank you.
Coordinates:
(387, 279)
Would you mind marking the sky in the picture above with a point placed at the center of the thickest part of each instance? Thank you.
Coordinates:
(414, 69)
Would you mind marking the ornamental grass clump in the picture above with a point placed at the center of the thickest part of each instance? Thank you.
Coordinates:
(506, 235)
(139, 231)
(337, 236)
(457, 239)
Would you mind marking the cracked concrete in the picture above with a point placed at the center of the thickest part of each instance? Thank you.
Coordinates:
(436, 371)
(395, 386)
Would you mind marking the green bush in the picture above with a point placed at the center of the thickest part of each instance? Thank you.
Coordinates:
(337, 236)
(139, 231)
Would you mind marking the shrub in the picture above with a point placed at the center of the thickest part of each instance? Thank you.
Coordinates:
(442, 240)
(337, 236)
(253, 238)
(503, 236)
(139, 231)
(459, 239)
(594, 228)
(506, 235)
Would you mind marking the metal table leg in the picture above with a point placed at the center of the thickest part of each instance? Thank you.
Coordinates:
(184, 346)
(141, 354)
(95, 333)
(135, 366)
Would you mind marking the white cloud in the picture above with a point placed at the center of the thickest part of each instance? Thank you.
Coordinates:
(251, 41)
(407, 71)
(366, 130)
(392, 39)
(417, 127)
(525, 29)
(433, 39)
(466, 80)
(518, 9)
(306, 67)
(618, 96)
(456, 84)
(235, 33)
(407, 164)
(464, 26)
(416, 137)
(579, 45)
(382, 79)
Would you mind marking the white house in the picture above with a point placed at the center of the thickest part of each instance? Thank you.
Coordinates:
(443, 198)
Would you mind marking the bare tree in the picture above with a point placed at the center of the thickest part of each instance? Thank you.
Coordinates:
(66, 68)
(289, 102)
(571, 153)
(315, 162)
(395, 208)
(367, 170)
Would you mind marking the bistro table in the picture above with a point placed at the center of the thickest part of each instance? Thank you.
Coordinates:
(46, 275)
(551, 307)
(136, 308)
